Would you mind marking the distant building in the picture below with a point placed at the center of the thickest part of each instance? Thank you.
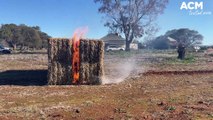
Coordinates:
(172, 42)
(113, 39)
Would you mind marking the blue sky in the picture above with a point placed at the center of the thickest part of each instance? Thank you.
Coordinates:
(59, 18)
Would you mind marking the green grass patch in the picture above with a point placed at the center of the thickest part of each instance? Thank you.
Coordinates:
(170, 108)
(188, 60)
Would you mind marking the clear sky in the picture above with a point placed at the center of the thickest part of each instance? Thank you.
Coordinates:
(59, 18)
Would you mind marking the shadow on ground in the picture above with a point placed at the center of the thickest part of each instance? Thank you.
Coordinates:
(24, 77)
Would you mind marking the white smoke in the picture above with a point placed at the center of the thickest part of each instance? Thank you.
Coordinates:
(119, 71)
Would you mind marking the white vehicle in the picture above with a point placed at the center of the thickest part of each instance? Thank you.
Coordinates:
(114, 48)
(5, 50)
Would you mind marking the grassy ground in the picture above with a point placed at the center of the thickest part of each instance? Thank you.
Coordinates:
(140, 96)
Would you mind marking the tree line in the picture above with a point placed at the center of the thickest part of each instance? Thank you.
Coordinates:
(23, 36)
(172, 38)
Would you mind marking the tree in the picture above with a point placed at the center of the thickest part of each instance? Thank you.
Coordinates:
(23, 36)
(186, 37)
(159, 43)
(44, 37)
(133, 18)
(31, 38)
(11, 34)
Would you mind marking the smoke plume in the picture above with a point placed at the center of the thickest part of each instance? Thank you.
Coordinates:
(119, 71)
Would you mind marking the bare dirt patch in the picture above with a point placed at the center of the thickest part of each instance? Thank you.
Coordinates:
(142, 95)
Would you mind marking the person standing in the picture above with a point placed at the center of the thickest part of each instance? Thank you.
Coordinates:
(181, 51)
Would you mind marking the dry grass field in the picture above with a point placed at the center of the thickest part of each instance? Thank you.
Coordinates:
(141, 85)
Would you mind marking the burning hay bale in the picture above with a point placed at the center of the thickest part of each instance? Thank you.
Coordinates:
(75, 62)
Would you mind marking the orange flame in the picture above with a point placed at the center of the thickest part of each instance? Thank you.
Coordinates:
(78, 34)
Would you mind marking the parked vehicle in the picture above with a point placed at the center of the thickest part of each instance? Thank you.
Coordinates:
(5, 50)
(114, 48)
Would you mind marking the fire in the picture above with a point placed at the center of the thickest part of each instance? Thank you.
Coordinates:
(78, 34)
(76, 59)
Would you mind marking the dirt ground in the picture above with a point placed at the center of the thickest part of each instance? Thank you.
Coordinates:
(152, 85)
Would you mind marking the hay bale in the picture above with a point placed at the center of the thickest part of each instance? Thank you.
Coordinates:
(60, 62)
(91, 61)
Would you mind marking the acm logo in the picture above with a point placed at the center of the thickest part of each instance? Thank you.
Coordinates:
(191, 5)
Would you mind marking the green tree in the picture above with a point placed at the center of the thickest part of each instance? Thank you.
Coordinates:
(31, 38)
(186, 36)
(11, 34)
(23, 36)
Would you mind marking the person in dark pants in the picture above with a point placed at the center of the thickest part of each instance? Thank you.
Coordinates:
(181, 51)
